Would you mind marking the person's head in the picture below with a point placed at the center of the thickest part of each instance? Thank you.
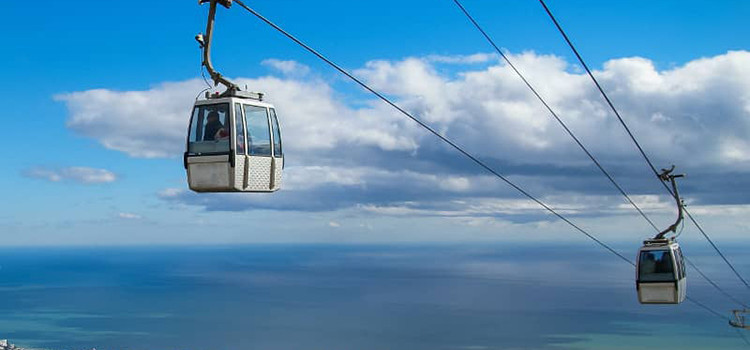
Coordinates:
(213, 117)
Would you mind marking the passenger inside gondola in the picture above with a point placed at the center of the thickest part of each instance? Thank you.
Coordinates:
(214, 129)
(209, 131)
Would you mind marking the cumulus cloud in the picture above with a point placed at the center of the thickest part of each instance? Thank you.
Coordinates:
(147, 124)
(322, 188)
(696, 113)
(366, 155)
(152, 123)
(463, 59)
(81, 175)
(287, 67)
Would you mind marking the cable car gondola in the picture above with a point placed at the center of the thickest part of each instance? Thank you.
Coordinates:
(661, 275)
(234, 145)
(234, 138)
(738, 319)
(660, 268)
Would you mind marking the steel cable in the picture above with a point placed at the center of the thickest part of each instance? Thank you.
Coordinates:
(552, 112)
(432, 131)
(448, 141)
(635, 141)
(580, 144)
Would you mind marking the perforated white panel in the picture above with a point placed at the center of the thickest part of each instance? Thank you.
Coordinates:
(239, 173)
(259, 174)
(277, 173)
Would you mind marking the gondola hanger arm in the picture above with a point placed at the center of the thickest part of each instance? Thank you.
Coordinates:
(666, 175)
(205, 42)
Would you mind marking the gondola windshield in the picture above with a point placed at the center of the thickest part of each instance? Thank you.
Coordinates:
(209, 129)
(656, 266)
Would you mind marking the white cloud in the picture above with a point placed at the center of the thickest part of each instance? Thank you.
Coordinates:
(697, 106)
(81, 175)
(287, 67)
(307, 177)
(463, 59)
(322, 188)
(334, 224)
(697, 113)
(346, 154)
(146, 124)
(129, 216)
(314, 120)
(152, 123)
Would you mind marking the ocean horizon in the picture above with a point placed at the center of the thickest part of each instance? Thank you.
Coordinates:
(365, 296)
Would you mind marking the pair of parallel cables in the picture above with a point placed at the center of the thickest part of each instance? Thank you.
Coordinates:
(588, 153)
(491, 170)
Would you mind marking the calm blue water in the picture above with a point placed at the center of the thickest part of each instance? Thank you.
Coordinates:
(411, 297)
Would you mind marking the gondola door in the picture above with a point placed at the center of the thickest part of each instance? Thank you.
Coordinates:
(240, 145)
(258, 159)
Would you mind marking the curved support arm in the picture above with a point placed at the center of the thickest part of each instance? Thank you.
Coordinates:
(666, 175)
(205, 42)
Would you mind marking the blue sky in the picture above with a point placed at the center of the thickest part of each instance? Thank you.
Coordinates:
(81, 75)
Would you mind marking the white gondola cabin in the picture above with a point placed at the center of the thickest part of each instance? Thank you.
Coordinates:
(660, 273)
(234, 145)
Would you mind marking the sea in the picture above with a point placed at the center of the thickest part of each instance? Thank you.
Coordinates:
(361, 297)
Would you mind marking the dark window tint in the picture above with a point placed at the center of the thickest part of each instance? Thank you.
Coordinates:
(656, 266)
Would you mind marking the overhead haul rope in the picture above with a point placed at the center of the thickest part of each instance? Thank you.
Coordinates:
(635, 141)
(449, 142)
(552, 112)
(580, 144)
(715, 285)
(432, 131)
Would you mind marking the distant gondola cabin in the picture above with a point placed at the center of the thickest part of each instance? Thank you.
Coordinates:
(660, 273)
